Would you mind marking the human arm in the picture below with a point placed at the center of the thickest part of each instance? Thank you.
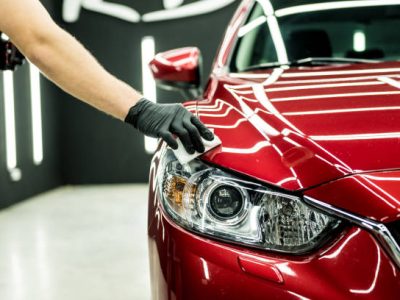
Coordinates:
(63, 59)
(69, 65)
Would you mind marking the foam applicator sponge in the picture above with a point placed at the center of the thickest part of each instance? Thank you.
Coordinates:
(185, 157)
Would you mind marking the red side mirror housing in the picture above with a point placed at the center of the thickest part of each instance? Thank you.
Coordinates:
(178, 69)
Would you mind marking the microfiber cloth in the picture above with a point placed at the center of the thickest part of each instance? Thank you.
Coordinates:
(185, 157)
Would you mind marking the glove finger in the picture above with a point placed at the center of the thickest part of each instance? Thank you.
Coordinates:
(194, 136)
(169, 139)
(184, 136)
(204, 131)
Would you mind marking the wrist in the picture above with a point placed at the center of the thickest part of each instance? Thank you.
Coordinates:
(136, 110)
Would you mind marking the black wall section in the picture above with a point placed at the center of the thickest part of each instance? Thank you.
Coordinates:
(96, 148)
(35, 179)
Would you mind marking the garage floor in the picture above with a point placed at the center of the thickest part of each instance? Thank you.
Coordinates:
(76, 243)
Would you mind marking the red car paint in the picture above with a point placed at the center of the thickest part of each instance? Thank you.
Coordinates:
(177, 65)
(306, 128)
(373, 195)
(331, 133)
(186, 266)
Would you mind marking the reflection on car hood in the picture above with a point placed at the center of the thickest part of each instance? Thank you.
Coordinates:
(301, 127)
(375, 195)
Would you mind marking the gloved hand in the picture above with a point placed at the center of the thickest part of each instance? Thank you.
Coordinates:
(164, 120)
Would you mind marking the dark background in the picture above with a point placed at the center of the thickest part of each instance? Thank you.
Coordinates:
(81, 145)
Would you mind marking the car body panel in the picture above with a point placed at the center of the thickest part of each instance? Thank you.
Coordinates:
(372, 195)
(184, 61)
(187, 266)
(307, 125)
(331, 133)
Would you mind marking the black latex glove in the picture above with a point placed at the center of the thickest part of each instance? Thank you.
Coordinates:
(164, 120)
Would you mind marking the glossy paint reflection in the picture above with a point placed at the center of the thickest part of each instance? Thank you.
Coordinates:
(372, 286)
(332, 113)
(329, 132)
(374, 195)
(185, 265)
(328, 124)
(179, 66)
(209, 268)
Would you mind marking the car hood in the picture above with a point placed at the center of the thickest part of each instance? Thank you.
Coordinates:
(301, 127)
(375, 195)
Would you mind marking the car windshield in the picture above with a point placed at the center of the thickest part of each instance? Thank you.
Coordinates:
(340, 30)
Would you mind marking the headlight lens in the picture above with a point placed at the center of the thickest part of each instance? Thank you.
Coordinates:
(226, 202)
(209, 201)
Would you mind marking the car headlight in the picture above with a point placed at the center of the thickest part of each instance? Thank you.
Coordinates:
(209, 201)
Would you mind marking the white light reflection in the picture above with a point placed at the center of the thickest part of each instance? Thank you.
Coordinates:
(337, 111)
(148, 83)
(286, 180)
(350, 137)
(315, 86)
(257, 147)
(230, 32)
(359, 41)
(4, 36)
(254, 101)
(254, 222)
(249, 76)
(36, 110)
(340, 165)
(374, 192)
(275, 31)
(298, 296)
(262, 97)
(373, 283)
(330, 73)
(278, 40)
(275, 75)
(9, 116)
(288, 82)
(336, 253)
(263, 127)
(332, 5)
(285, 269)
(259, 92)
(311, 97)
(235, 125)
(187, 10)
(280, 153)
(390, 81)
(207, 107)
(290, 141)
(325, 85)
(251, 26)
(227, 111)
(205, 269)
(340, 79)
(390, 196)
(170, 4)
(383, 178)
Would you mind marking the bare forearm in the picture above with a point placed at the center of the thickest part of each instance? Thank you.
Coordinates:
(64, 61)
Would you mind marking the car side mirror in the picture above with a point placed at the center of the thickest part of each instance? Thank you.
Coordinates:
(178, 69)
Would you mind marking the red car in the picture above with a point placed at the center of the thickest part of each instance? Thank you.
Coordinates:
(302, 199)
